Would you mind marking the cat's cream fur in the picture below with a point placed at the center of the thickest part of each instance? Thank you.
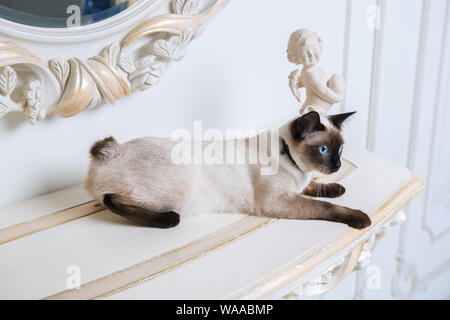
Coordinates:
(141, 174)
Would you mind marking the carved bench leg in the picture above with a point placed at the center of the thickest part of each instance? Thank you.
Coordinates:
(357, 260)
(330, 278)
(366, 253)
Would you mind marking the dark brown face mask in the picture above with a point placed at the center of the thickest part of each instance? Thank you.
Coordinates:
(318, 146)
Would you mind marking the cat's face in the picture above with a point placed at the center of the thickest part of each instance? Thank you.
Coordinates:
(317, 143)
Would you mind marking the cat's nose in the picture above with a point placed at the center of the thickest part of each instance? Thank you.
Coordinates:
(337, 165)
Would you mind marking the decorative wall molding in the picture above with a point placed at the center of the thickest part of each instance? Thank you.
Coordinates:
(67, 87)
(375, 76)
(438, 139)
(407, 281)
(346, 54)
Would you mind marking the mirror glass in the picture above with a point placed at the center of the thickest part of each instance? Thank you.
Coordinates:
(61, 13)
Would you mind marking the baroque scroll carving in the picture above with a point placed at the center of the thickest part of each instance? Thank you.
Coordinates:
(67, 87)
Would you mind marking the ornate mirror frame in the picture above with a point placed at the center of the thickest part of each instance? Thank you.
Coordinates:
(135, 62)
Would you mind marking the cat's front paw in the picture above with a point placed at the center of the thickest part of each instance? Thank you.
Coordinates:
(358, 220)
(335, 190)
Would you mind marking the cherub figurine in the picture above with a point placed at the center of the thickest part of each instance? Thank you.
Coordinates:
(305, 47)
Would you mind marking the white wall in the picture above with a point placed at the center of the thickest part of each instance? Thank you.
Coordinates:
(235, 76)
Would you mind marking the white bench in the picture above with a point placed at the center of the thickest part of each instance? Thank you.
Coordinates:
(49, 243)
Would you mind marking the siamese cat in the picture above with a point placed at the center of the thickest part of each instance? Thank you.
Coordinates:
(139, 181)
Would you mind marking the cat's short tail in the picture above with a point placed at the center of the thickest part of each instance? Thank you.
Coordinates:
(105, 150)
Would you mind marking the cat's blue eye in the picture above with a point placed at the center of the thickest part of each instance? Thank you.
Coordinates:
(341, 148)
(323, 149)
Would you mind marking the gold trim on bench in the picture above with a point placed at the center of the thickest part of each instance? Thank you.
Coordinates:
(48, 221)
(149, 269)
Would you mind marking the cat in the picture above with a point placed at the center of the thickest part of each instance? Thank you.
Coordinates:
(139, 181)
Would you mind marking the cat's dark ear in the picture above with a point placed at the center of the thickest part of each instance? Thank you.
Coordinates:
(338, 119)
(305, 125)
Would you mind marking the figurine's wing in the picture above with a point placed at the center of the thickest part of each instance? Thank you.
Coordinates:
(293, 84)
